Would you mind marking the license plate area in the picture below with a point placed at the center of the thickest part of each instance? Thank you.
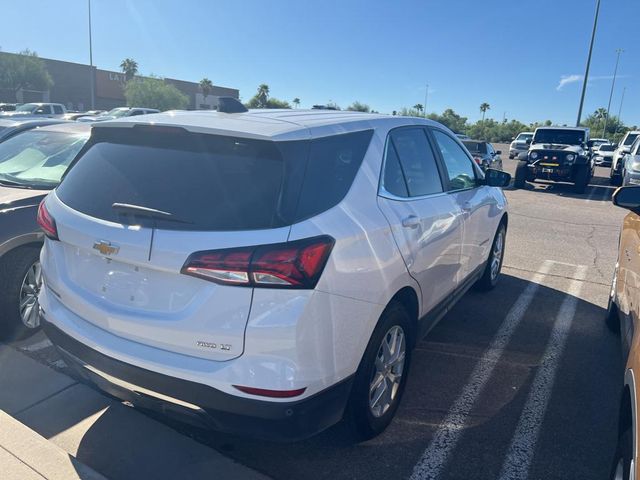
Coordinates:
(547, 170)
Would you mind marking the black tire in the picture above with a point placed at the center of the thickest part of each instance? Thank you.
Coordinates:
(359, 416)
(581, 178)
(13, 269)
(521, 174)
(488, 281)
(621, 467)
(511, 157)
(614, 178)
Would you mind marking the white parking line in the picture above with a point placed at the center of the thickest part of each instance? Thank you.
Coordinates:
(518, 460)
(435, 457)
(41, 345)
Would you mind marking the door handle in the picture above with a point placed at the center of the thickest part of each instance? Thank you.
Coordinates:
(411, 221)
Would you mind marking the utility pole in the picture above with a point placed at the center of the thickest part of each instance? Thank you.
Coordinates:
(613, 84)
(91, 72)
(426, 96)
(586, 73)
(504, 117)
(619, 113)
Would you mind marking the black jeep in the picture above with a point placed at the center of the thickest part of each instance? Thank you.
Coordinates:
(559, 154)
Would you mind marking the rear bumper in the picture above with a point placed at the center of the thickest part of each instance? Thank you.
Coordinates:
(202, 404)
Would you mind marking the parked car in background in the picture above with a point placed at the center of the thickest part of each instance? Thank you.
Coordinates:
(631, 168)
(520, 144)
(77, 115)
(31, 164)
(278, 309)
(603, 154)
(462, 136)
(559, 154)
(594, 143)
(8, 107)
(11, 127)
(624, 147)
(623, 317)
(119, 112)
(484, 154)
(51, 110)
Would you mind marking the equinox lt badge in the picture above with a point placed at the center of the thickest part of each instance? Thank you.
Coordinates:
(222, 346)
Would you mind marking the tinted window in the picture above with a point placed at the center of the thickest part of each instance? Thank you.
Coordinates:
(417, 161)
(211, 182)
(393, 179)
(460, 170)
(559, 136)
(57, 109)
(630, 139)
(606, 148)
(475, 147)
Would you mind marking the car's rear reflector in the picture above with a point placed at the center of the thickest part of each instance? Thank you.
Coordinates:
(46, 222)
(271, 393)
(296, 264)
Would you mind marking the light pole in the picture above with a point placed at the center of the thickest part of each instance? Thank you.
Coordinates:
(619, 113)
(613, 84)
(91, 73)
(426, 96)
(586, 73)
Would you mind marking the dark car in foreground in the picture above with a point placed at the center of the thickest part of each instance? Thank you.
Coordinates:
(484, 154)
(559, 154)
(31, 164)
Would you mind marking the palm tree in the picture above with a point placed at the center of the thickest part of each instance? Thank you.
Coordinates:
(206, 86)
(263, 95)
(484, 106)
(296, 102)
(129, 67)
(418, 107)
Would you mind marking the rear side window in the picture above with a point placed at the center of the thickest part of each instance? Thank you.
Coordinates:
(57, 109)
(409, 149)
(209, 182)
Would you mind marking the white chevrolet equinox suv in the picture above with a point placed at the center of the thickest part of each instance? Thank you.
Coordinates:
(266, 272)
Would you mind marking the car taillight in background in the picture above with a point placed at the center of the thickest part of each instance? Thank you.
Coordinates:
(46, 222)
(296, 264)
(478, 160)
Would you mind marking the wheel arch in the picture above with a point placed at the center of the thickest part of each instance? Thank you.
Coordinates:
(408, 298)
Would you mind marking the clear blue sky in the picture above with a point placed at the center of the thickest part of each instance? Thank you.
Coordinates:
(509, 53)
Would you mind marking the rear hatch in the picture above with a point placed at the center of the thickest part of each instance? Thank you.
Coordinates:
(175, 193)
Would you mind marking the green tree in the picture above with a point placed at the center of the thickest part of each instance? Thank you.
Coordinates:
(450, 119)
(359, 107)
(419, 108)
(263, 95)
(262, 100)
(153, 92)
(296, 102)
(129, 67)
(484, 106)
(206, 86)
(596, 121)
(24, 71)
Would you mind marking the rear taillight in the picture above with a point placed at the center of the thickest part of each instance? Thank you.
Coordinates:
(263, 392)
(46, 222)
(478, 160)
(296, 264)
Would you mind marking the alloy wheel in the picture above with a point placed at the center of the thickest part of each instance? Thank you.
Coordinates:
(496, 257)
(29, 306)
(387, 375)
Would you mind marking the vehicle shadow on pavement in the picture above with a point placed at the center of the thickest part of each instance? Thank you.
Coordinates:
(598, 189)
(578, 433)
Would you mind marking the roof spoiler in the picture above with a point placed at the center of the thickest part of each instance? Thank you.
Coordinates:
(230, 105)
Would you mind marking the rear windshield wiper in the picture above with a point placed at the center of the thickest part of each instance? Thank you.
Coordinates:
(147, 212)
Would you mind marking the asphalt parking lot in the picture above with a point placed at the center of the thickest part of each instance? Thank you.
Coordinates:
(521, 382)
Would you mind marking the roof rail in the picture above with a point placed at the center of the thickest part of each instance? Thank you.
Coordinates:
(230, 105)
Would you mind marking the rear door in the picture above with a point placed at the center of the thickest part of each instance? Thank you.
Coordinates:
(425, 221)
(121, 271)
(473, 199)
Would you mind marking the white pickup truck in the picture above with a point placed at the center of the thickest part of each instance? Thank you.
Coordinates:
(50, 110)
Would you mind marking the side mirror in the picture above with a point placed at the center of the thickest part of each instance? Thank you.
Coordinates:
(496, 178)
(627, 197)
(498, 152)
(528, 141)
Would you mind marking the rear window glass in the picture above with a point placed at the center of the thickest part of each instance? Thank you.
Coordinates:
(210, 182)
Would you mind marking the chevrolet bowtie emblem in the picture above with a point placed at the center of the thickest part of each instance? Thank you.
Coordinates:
(106, 248)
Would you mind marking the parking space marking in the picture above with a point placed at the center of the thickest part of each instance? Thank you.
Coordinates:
(41, 345)
(520, 454)
(434, 458)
